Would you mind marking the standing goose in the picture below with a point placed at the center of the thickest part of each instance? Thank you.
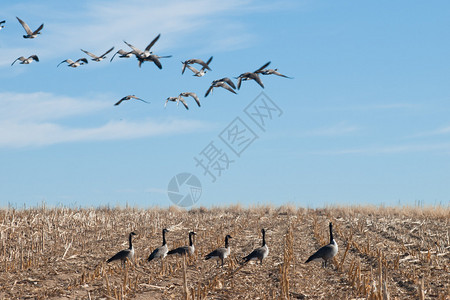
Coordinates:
(259, 253)
(129, 97)
(251, 75)
(195, 61)
(26, 61)
(161, 251)
(220, 253)
(30, 34)
(327, 252)
(74, 64)
(184, 250)
(193, 95)
(125, 253)
(95, 57)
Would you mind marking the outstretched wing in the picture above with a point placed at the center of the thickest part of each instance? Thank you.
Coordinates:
(25, 26)
(90, 54)
(104, 54)
(152, 42)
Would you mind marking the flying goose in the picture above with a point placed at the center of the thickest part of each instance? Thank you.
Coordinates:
(196, 61)
(259, 253)
(74, 64)
(272, 72)
(161, 251)
(154, 58)
(251, 75)
(129, 97)
(225, 83)
(327, 252)
(193, 95)
(123, 54)
(125, 253)
(95, 57)
(220, 253)
(30, 34)
(202, 71)
(184, 250)
(146, 53)
(26, 61)
(1, 24)
(177, 100)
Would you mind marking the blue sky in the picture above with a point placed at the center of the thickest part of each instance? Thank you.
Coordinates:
(365, 119)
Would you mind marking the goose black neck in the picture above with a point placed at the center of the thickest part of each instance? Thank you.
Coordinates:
(190, 239)
(226, 241)
(129, 240)
(331, 233)
(164, 237)
(264, 238)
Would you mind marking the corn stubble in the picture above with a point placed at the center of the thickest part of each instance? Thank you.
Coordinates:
(385, 253)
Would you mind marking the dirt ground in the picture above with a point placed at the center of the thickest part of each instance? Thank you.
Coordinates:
(384, 253)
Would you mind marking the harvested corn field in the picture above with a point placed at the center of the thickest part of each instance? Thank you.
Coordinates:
(384, 253)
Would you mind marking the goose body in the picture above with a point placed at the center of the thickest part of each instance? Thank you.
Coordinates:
(98, 58)
(74, 64)
(26, 61)
(202, 71)
(147, 55)
(251, 76)
(220, 253)
(123, 54)
(160, 252)
(259, 253)
(272, 72)
(327, 252)
(225, 83)
(129, 97)
(196, 61)
(30, 34)
(193, 95)
(126, 253)
(184, 250)
(177, 100)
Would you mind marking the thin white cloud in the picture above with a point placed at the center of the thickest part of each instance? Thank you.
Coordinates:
(391, 149)
(339, 129)
(14, 135)
(30, 119)
(435, 132)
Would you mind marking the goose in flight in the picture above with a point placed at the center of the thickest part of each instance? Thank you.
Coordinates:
(184, 250)
(26, 61)
(177, 100)
(272, 72)
(251, 76)
(154, 58)
(129, 97)
(30, 34)
(123, 54)
(97, 58)
(327, 252)
(259, 253)
(193, 95)
(2, 24)
(196, 61)
(74, 64)
(124, 254)
(146, 53)
(220, 253)
(202, 71)
(225, 83)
